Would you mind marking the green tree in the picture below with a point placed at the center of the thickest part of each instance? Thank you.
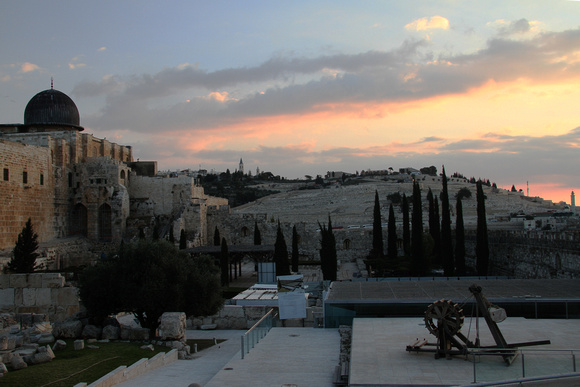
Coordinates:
(295, 255)
(446, 242)
(328, 257)
(24, 254)
(281, 253)
(257, 235)
(392, 238)
(459, 239)
(224, 263)
(182, 240)
(148, 278)
(406, 229)
(418, 264)
(378, 247)
(482, 243)
(216, 237)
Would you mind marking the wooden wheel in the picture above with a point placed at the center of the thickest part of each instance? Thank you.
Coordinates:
(444, 313)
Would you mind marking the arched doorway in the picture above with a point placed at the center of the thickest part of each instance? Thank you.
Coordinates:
(78, 221)
(105, 223)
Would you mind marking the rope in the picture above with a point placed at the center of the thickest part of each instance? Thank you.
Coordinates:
(76, 373)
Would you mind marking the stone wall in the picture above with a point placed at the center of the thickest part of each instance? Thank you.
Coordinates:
(244, 317)
(530, 254)
(39, 294)
(22, 199)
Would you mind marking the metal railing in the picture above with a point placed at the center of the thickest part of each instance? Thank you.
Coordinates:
(257, 332)
(527, 363)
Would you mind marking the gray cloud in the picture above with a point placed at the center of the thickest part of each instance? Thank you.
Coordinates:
(399, 75)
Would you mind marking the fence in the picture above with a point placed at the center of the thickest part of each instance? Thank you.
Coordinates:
(527, 363)
(257, 332)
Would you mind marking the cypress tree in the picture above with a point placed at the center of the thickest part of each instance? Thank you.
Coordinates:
(216, 237)
(224, 263)
(459, 239)
(257, 235)
(446, 243)
(24, 253)
(182, 240)
(434, 228)
(281, 253)
(418, 264)
(171, 236)
(482, 244)
(328, 258)
(294, 249)
(406, 229)
(378, 247)
(392, 241)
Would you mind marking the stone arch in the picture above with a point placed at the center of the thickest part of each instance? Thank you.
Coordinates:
(347, 244)
(105, 223)
(78, 220)
(123, 174)
(245, 231)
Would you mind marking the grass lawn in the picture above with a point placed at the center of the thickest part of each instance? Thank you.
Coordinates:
(70, 367)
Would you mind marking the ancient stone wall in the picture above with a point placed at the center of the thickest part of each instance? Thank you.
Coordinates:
(38, 294)
(26, 191)
(530, 254)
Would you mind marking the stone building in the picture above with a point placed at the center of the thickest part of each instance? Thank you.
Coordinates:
(73, 184)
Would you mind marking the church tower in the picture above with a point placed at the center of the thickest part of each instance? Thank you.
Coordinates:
(241, 167)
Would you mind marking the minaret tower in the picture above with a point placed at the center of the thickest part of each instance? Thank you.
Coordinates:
(573, 202)
(241, 167)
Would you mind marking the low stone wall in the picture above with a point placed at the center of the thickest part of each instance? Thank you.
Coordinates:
(244, 317)
(124, 373)
(38, 293)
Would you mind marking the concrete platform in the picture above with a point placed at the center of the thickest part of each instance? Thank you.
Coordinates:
(379, 356)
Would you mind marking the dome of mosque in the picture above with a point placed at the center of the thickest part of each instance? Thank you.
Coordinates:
(51, 107)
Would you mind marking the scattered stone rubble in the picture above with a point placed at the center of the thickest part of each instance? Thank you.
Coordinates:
(26, 339)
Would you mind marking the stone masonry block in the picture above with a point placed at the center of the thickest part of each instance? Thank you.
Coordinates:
(43, 296)
(35, 280)
(4, 281)
(6, 297)
(18, 297)
(29, 296)
(64, 296)
(18, 281)
(52, 280)
(235, 311)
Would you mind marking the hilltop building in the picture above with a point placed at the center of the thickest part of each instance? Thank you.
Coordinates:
(71, 183)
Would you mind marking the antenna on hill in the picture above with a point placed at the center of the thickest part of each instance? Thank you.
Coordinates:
(51, 83)
(528, 187)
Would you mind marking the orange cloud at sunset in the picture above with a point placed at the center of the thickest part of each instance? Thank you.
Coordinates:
(423, 24)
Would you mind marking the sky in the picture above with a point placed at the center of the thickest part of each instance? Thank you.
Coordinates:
(489, 89)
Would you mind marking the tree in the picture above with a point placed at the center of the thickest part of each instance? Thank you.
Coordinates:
(281, 253)
(446, 242)
(434, 227)
(482, 244)
(328, 258)
(418, 264)
(392, 237)
(459, 239)
(24, 254)
(171, 236)
(216, 237)
(378, 247)
(182, 240)
(463, 193)
(295, 255)
(224, 263)
(514, 188)
(148, 278)
(257, 235)
(406, 229)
